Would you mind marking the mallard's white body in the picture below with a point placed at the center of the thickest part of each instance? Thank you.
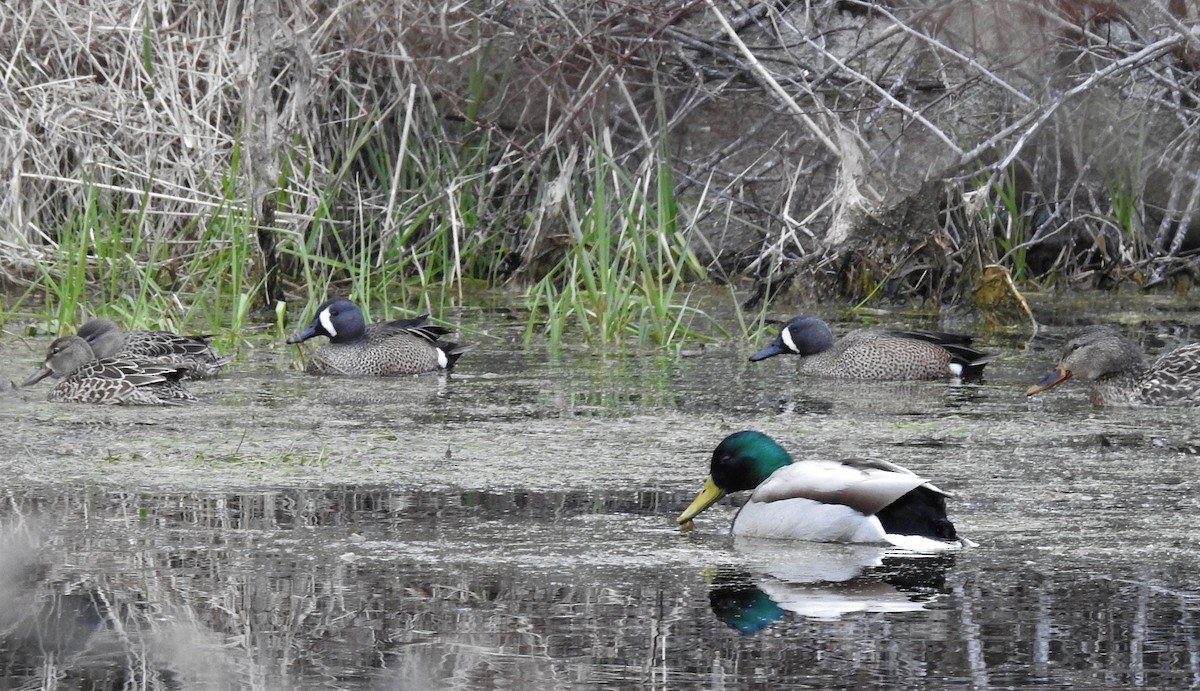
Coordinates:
(833, 501)
(796, 519)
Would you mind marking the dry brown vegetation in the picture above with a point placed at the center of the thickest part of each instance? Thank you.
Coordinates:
(894, 146)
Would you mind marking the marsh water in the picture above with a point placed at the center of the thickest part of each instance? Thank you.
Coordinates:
(511, 526)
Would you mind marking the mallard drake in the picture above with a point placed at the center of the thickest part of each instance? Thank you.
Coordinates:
(824, 501)
(114, 380)
(1118, 372)
(193, 352)
(880, 353)
(355, 348)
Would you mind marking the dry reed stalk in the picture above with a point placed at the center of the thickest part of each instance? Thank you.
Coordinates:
(316, 127)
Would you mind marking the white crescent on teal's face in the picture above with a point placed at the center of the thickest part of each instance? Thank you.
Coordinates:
(327, 322)
(786, 337)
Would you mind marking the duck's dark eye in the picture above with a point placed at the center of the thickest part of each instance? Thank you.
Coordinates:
(725, 459)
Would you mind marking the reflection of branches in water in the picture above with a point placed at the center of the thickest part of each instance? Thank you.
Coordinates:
(473, 589)
(93, 632)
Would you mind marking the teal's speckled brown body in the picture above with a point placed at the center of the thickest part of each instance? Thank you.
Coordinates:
(114, 380)
(878, 353)
(194, 353)
(355, 348)
(1119, 374)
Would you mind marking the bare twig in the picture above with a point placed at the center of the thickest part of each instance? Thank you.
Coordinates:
(762, 74)
(1033, 121)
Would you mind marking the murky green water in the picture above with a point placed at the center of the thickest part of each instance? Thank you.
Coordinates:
(512, 527)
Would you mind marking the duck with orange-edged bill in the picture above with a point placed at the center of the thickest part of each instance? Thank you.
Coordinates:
(1119, 374)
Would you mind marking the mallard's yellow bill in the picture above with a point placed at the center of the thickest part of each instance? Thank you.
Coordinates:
(707, 497)
(1049, 381)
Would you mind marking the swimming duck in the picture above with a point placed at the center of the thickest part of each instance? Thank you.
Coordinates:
(880, 353)
(824, 501)
(401, 346)
(193, 352)
(1118, 372)
(114, 380)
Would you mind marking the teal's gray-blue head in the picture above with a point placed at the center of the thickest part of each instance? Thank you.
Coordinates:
(338, 319)
(805, 335)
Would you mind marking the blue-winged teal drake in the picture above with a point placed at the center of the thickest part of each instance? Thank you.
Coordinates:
(876, 353)
(355, 348)
(114, 380)
(1118, 372)
(824, 501)
(194, 353)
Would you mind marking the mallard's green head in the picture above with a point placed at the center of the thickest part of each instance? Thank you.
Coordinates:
(743, 460)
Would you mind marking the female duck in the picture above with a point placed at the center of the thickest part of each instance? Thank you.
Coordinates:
(880, 353)
(355, 348)
(192, 352)
(114, 380)
(1120, 376)
(825, 501)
